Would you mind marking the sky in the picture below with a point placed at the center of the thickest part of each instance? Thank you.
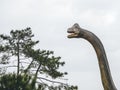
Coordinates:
(49, 21)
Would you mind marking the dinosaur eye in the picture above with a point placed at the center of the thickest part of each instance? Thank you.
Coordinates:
(75, 27)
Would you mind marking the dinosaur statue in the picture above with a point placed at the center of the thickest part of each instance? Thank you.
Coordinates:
(77, 32)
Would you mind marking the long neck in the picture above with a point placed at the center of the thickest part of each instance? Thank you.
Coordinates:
(106, 77)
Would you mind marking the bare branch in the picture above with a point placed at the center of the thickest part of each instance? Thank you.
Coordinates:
(9, 66)
(52, 81)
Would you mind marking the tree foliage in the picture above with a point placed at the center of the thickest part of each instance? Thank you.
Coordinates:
(18, 50)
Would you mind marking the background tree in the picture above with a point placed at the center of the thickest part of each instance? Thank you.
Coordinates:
(30, 64)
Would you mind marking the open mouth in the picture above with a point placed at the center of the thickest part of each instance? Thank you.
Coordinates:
(72, 33)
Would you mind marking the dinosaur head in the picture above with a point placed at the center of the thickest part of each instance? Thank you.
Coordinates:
(74, 31)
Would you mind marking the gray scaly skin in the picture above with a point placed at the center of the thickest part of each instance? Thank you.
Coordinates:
(77, 32)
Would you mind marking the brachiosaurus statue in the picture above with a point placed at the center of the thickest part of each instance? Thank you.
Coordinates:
(77, 32)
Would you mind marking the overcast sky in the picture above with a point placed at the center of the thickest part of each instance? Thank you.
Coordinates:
(49, 20)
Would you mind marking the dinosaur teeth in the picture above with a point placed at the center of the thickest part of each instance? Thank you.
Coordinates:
(71, 35)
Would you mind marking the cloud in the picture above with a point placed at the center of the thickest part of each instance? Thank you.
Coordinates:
(98, 18)
(42, 8)
(98, 13)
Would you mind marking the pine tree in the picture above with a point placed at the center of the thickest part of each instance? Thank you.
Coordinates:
(19, 47)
